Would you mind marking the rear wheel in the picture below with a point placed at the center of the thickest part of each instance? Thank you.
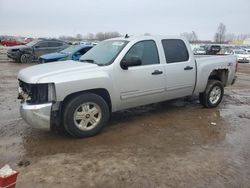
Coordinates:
(213, 94)
(85, 115)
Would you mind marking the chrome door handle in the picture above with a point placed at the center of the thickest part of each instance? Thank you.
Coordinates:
(156, 72)
(188, 68)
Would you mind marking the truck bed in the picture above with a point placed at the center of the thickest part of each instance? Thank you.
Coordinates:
(208, 63)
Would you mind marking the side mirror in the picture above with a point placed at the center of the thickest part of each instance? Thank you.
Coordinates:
(129, 62)
(37, 46)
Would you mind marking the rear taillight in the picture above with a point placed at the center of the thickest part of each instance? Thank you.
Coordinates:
(236, 66)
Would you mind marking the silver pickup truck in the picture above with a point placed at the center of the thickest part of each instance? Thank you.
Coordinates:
(117, 74)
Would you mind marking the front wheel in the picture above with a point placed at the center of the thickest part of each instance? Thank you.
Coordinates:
(26, 58)
(85, 115)
(213, 94)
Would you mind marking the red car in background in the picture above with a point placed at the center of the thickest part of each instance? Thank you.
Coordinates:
(13, 42)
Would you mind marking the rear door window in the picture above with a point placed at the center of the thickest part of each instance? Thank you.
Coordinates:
(175, 50)
(55, 44)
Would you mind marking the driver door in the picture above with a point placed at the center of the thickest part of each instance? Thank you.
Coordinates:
(41, 48)
(142, 84)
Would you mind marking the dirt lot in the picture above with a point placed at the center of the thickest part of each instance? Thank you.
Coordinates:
(170, 144)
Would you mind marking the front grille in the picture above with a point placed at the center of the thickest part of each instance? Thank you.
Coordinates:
(33, 93)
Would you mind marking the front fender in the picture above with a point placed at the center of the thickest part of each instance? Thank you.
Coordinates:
(87, 81)
(26, 51)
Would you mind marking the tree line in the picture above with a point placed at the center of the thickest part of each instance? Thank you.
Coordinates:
(91, 36)
(220, 36)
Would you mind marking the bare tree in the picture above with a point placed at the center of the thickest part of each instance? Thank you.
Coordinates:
(67, 38)
(78, 36)
(220, 35)
(112, 34)
(107, 35)
(195, 37)
(242, 36)
(230, 37)
(191, 37)
(90, 36)
(100, 36)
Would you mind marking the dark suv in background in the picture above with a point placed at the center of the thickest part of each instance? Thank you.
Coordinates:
(212, 49)
(31, 51)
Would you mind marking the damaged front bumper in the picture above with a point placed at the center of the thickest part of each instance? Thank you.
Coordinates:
(36, 115)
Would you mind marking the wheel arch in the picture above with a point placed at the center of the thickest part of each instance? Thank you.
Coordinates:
(220, 75)
(99, 91)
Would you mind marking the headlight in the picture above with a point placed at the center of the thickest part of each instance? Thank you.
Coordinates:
(36, 93)
(51, 92)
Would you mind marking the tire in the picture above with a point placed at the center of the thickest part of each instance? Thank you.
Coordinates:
(213, 94)
(26, 58)
(85, 115)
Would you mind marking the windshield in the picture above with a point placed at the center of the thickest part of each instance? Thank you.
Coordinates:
(70, 49)
(105, 52)
(32, 43)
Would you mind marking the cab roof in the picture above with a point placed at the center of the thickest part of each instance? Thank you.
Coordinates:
(148, 37)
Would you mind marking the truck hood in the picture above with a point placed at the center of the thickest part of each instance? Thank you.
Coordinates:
(35, 73)
(54, 56)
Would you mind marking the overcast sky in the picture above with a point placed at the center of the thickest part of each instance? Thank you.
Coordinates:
(52, 18)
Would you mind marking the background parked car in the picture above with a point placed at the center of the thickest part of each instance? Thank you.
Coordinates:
(86, 43)
(11, 42)
(199, 51)
(224, 51)
(242, 56)
(15, 42)
(212, 49)
(73, 52)
(247, 50)
(76, 43)
(31, 51)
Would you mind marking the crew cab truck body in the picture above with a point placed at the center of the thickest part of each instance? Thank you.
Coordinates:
(117, 74)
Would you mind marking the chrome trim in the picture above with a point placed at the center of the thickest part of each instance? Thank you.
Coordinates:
(178, 87)
(132, 94)
(38, 115)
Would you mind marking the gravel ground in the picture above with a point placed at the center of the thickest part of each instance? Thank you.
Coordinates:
(170, 144)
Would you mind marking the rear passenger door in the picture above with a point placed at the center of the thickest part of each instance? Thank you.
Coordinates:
(55, 46)
(180, 68)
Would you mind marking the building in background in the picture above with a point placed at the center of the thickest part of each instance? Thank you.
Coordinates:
(247, 41)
